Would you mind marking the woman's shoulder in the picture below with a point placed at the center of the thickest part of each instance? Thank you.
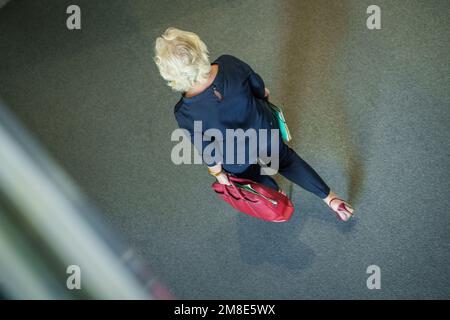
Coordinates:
(231, 60)
(178, 106)
(228, 58)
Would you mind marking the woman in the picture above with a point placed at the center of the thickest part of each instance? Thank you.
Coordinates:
(228, 94)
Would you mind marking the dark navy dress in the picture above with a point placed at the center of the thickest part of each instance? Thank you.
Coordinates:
(237, 103)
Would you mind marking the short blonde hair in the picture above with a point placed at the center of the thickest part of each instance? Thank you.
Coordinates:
(182, 59)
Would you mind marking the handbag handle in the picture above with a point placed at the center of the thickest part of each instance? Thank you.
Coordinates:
(237, 189)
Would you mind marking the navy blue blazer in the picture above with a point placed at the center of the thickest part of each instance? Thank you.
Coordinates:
(237, 103)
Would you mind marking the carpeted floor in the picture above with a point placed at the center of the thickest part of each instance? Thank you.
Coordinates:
(369, 110)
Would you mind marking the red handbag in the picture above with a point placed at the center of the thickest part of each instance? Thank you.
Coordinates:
(255, 199)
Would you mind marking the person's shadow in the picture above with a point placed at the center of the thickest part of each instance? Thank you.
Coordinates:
(277, 243)
(308, 57)
(274, 243)
(308, 53)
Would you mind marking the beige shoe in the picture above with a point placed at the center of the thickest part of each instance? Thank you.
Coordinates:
(344, 211)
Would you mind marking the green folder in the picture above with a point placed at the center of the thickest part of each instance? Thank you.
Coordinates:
(282, 125)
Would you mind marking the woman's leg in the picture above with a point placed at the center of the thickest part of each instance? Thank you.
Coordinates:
(294, 168)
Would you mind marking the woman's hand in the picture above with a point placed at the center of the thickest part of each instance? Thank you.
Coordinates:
(219, 174)
(222, 178)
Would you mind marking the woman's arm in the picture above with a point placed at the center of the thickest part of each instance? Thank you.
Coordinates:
(186, 124)
(257, 84)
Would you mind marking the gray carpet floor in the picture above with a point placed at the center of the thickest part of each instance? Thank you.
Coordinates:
(369, 110)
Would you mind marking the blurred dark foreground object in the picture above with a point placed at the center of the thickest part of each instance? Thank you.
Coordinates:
(53, 244)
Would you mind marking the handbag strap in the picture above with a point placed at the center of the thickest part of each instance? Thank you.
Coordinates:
(239, 191)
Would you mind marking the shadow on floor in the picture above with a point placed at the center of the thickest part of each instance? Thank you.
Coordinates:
(302, 40)
(310, 41)
(274, 243)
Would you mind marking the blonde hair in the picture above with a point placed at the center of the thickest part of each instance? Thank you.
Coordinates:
(182, 59)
